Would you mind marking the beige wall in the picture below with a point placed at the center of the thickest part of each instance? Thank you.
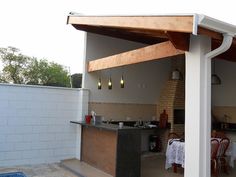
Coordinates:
(220, 111)
(224, 95)
(143, 82)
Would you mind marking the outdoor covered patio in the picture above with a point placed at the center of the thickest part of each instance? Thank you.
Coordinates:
(198, 38)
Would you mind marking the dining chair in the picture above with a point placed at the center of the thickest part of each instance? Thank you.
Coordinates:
(215, 144)
(222, 157)
(218, 134)
(173, 135)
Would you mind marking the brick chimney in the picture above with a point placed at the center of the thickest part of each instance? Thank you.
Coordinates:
(173, 95)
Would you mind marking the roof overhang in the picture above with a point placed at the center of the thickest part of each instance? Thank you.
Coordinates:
(144, 29)
(155, 29)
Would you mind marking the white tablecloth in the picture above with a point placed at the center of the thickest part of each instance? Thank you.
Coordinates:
(175, 153)
(232, 153)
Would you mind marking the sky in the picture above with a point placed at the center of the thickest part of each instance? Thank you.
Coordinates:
(38, 27)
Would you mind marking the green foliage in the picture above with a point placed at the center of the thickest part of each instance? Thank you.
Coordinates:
(76, 80)
(2, 79)
(20, 69)
(14, 65)
(42, 72)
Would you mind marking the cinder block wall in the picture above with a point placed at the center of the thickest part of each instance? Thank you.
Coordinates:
(35, 123)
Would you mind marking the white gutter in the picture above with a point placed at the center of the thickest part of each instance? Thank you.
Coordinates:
(228, 31)
(216, 25)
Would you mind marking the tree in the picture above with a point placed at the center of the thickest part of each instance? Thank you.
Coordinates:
(14, 65)
(2, 80)
(20, 69)
(42, 72)
(76, 80)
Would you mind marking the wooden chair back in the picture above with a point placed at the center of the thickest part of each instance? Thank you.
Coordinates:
(215, 144)
(173, 136)
(218, 134)
(224, 144)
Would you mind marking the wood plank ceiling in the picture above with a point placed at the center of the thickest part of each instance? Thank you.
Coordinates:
(150, 30)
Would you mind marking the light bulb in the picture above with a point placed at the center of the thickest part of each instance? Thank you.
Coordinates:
(122, 83)
(99, 84)
(110, 84)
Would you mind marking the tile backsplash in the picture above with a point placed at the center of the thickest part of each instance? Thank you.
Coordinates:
(124, 111)
(225, 113)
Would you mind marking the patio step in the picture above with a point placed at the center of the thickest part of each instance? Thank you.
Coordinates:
(82, 169)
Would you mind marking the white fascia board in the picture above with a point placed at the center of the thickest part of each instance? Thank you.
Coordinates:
(216, 25)
(130, 15)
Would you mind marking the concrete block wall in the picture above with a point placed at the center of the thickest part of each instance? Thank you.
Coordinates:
(35, 123)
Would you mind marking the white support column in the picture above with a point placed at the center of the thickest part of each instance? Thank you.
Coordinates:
(198, 108)
(82, 111)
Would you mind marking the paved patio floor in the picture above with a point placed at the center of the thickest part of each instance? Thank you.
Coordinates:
(44, 170)
(153, 166)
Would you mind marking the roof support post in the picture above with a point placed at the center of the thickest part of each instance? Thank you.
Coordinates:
(198, 108)
(82, 111)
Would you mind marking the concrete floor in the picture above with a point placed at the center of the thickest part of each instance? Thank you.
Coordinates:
(83, 169)
(152, 166)
(44, 170)
(155, 167)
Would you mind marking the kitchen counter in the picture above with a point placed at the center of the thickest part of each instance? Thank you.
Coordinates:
(222, 126)
(105, 126)
(114, 150)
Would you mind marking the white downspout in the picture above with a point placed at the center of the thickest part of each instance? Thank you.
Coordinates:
(206, 127)
(227, 41)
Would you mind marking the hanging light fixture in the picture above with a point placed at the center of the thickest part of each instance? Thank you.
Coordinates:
(99, 84)
(176, 75)
(109, 83)
(215, 80)
(122, 82)
(99, 81)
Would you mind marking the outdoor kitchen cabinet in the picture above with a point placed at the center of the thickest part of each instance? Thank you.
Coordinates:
(114, 150)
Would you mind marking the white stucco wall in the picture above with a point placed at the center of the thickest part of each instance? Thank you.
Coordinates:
(35, 123)
(143, 82)
(225, 94)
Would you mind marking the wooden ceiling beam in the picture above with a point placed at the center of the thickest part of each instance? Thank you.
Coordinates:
(179, 40)
(160, 23)
(210, 33)
(152, 52)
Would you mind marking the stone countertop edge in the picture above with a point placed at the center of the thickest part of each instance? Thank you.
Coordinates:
(111, 127)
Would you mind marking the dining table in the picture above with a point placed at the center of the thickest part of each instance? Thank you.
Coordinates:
(175, 153)
(232, 153)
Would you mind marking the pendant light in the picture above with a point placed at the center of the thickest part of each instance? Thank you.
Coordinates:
(109, 83)
(176, 75)
(99, 84)
(215, 80)
(99, 81)
(122, 82)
